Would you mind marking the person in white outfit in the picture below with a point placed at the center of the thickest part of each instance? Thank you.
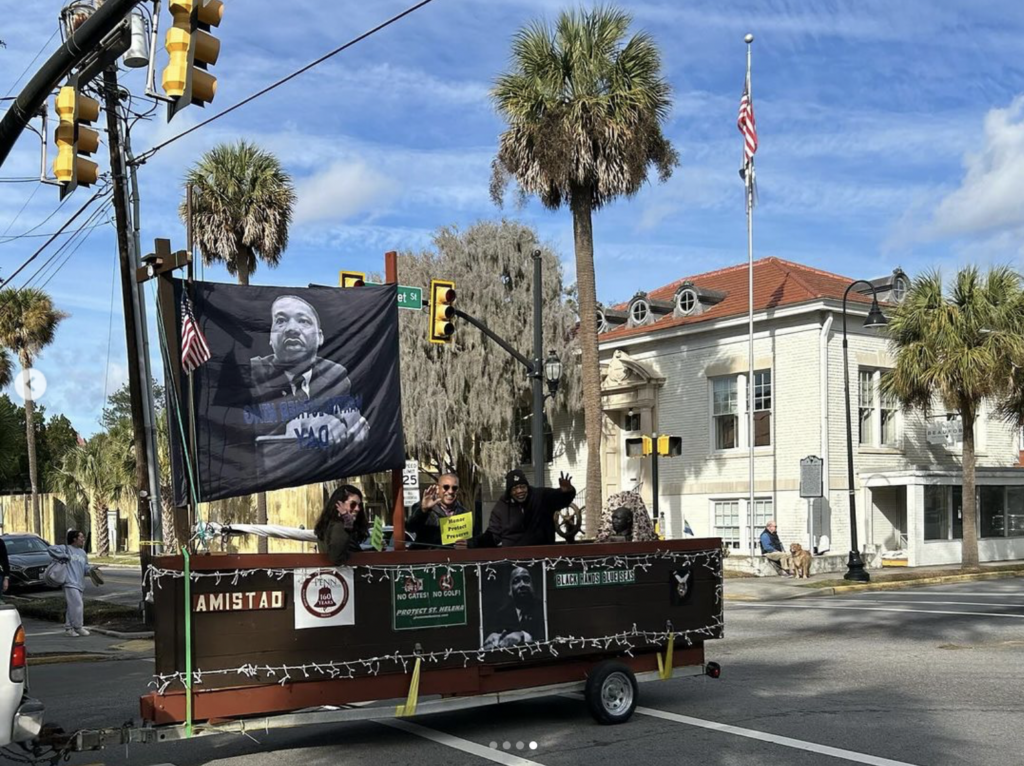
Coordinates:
(78, 566)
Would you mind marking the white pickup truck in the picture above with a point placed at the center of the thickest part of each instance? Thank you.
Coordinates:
(21, 717)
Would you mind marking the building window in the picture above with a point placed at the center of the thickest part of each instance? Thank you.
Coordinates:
(686, 302)
(1001, 510)
(602, 323)
(899, 289)
(943, 513)
(632, 421)
(725, 413)
(763, 408)
(866, 407)
(878, 414)
(764, 510)
(729, 409)
(639, 311)
(727, 522)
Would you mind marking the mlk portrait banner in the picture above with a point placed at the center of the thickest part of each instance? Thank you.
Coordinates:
(302, 385)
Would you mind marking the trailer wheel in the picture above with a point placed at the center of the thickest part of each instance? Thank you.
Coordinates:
(611, 693)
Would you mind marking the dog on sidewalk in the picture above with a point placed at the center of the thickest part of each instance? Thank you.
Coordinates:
(801, 560)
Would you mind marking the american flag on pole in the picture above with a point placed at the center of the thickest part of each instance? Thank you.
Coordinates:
(746, 125)
(194, 349)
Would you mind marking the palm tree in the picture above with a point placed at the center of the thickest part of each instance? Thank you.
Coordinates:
(28, 323)
(97, 475)
(6, 368)
(959, 349)
(242, 204)
(585, 108)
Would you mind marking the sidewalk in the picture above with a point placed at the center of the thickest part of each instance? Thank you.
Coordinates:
(894, 578)
(47, 644)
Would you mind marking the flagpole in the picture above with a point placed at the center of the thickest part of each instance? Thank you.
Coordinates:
(749, 180)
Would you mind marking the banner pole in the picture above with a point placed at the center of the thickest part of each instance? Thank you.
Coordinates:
(397, 489)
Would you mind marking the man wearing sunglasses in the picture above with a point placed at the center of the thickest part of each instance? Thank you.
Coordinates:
(439, 501)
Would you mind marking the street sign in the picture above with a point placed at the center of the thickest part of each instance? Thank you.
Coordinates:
(411, 482)
(810, 476)
(408, 297)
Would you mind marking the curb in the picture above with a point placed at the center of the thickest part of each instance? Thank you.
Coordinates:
(878, 586)
(61, 659)
(119, 634)
(900, 584)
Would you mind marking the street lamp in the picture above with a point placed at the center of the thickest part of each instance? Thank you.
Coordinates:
(552, 372)
(855, 567)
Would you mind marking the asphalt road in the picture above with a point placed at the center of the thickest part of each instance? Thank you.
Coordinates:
(917, 676)
(121, 586)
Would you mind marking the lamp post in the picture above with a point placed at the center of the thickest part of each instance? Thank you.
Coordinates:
(855, 567)
(552, 372)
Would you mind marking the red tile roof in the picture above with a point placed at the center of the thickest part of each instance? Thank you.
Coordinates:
(776, 283)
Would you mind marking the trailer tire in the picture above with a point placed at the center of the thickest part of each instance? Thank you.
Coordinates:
(611, 693)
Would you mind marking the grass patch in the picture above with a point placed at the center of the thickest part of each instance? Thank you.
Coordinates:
(730, 574)
(911, 575)
(127, 560)
(97, 613)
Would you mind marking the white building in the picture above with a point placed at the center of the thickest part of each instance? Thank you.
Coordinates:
(675, 361)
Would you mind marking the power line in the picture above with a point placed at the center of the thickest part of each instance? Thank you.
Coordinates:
(30, 236)
(5, 239)
(88, 233)
(15, 83)
(411, 9)
(18, 214)
(86, 228)
(46, 244)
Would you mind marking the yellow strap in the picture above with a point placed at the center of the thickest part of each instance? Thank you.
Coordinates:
(409, 708)
(665, 665)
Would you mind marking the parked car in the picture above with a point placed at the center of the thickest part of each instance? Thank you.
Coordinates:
(29, 558)
(21, 717)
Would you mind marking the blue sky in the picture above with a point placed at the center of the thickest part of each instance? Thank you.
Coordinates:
(891, 133)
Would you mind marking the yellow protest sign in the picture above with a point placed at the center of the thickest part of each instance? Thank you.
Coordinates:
(455, 528)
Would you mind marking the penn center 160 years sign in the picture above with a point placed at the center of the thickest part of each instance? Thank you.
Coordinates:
(324, 598)
(428, 598)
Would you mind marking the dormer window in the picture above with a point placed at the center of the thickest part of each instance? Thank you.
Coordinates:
(602, 323)
(639, 312)
(687, 302)
(900, 286)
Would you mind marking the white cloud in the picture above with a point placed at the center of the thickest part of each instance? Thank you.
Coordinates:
(988, 198)
(341, 191)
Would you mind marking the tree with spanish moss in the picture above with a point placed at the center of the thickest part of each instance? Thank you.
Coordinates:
(585, 107)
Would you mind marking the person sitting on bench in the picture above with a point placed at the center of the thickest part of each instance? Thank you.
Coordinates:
(771, 549)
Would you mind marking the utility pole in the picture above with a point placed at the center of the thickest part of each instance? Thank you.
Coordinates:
(129, 297)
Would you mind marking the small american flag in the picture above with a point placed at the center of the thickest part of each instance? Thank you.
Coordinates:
(194, 349)
(745, 122)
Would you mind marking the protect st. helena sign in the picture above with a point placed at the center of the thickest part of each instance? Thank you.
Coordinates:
(428, 598)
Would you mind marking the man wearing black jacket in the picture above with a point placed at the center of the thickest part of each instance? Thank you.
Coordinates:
(525, 515)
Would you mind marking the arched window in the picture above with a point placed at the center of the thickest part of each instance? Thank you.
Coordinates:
(602, 323)
(686, 302)
(639, 311)
(899, 289)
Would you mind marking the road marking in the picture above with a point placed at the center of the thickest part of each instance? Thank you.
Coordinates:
(762, 736)
(1016, 594)
(457, 743)
(777, 605)
(906, 601)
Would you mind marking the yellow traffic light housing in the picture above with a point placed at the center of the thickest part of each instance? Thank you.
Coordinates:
(442, 310)
(639, 446)
(351, 279)
(670, 446)
(192, 50)
(74, 139)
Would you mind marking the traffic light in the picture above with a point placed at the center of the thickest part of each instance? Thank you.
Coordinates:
(670, 446)
(351, 278)
(74, 139)
(442, 310)
(192, 49)
(639, 446)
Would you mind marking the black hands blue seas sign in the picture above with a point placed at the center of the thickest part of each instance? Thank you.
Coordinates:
(302, 385)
